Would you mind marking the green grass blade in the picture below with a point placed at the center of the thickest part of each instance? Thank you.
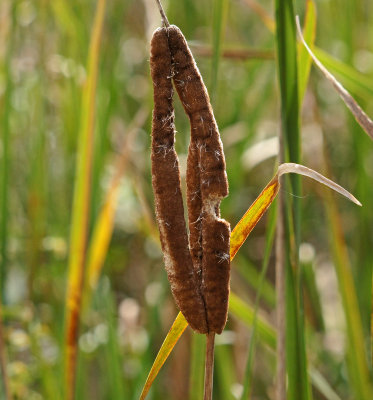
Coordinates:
(250, 359)
(196, 376)
(358, 365)
(240, 309)
(6, 154)
(354, 81)
(253, 277)
(304, 59)
(225, 377)
(296, 362)
(81, 204)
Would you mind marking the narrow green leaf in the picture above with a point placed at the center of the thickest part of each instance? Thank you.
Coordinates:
(245, 313)
(354, 81)
(356, 348)
(197, 367)
(250, 358)
(287, 270)
(304, 59)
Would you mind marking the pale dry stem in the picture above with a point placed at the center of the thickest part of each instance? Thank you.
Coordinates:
(361, 117)
(209, 365)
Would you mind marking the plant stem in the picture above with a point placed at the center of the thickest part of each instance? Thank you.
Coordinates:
(163, 14)
(209, 365)
(281, 302)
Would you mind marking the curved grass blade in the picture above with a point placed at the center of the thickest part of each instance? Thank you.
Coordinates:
(238, 237)
(264, 200)
(361, 117)
(253, 215)
(355, 81)
(177, 329)
(81, 205)
(288, 168)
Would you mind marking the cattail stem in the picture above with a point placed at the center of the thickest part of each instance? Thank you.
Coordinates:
(163, 14)
(209, 365)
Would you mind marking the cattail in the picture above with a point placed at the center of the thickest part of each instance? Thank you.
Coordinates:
(201, 269)
(167, 190)
(206, 182)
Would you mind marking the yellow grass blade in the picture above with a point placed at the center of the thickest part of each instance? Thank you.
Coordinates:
(103, 228)
(177, 329)
(238, 237)
(81, 204)
(253, 215)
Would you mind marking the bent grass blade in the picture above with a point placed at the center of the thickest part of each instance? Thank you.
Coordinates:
(361, 117)
(238, 237)
(355, 81)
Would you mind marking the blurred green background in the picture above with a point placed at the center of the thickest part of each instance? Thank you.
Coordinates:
(43, 66)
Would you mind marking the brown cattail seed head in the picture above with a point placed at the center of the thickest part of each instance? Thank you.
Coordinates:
(201, 269)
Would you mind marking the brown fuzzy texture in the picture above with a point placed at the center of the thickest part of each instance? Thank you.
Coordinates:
(205, 263)
(207, 184)
(167, 192)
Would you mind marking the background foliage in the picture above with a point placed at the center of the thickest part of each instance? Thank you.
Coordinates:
(44, 48)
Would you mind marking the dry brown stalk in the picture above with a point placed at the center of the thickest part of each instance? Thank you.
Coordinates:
(234, 54)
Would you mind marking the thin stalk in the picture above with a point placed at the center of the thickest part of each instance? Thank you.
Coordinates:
(197, 361)
(209, 365)
(6, 155)
(280, 302)
(250, 359)
(163, 14)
